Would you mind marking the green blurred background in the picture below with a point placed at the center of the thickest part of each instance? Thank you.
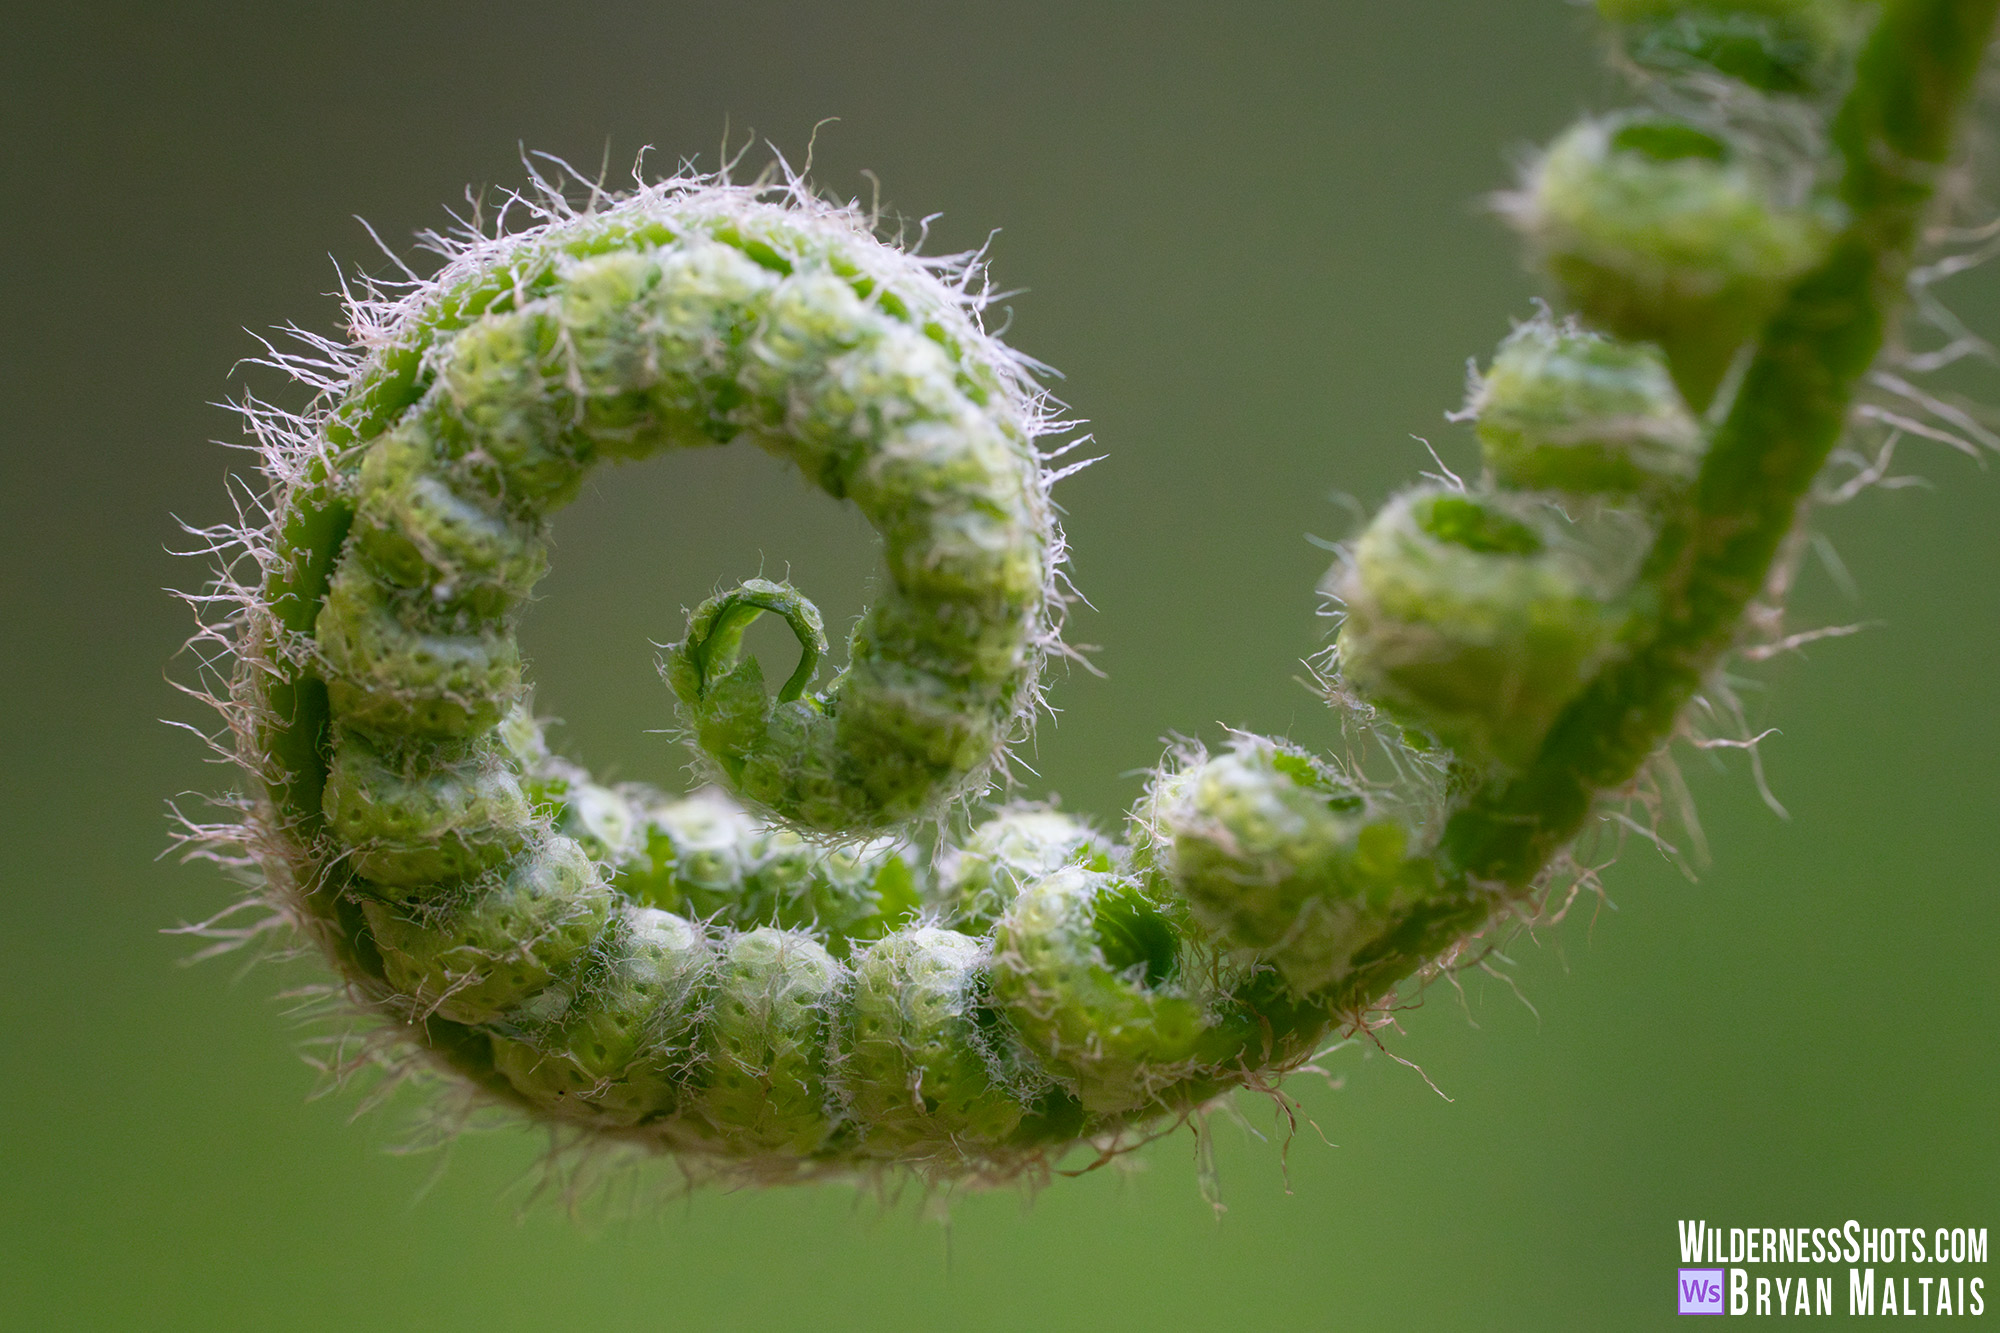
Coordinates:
(1250, 236)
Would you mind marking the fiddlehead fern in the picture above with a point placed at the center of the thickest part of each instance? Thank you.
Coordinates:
(793, 991)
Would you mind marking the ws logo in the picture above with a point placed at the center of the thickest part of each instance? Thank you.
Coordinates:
(1701, 1291)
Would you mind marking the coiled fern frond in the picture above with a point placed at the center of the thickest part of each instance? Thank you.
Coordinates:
(767, 978)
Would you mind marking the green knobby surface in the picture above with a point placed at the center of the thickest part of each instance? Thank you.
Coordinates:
(1894, 134)
(504, 908)
(1251, 243)
(712, 984)
(1563, 409)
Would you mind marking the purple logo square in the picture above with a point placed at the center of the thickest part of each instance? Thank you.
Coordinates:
(1701, 1291)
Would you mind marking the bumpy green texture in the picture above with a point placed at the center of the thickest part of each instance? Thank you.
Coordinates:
(1661, 231)
(706, 330)
(497, 944)
(1774, 46)
(981, 879)
(779, 980)
(1296, 866)
(765, 1079)
(1478, 617)
(923, 1073)
(1563, 409)
(1098, 980)
(616, 1049)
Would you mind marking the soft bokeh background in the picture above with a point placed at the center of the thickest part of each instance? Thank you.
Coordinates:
(1250, 237)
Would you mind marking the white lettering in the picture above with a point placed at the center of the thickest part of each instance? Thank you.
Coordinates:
(1691, 1242)
(1860, 1298)
(1739, 1288)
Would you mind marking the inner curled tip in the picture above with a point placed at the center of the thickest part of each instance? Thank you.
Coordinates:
(715, 631)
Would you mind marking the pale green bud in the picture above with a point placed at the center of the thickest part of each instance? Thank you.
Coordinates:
(923, 1084)
(1477, 617)
(1660, 232)
(979, 881)
(1285, 861)
(1562, 409)
(1091, 973)
(617, 1051)
(765, 1085)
